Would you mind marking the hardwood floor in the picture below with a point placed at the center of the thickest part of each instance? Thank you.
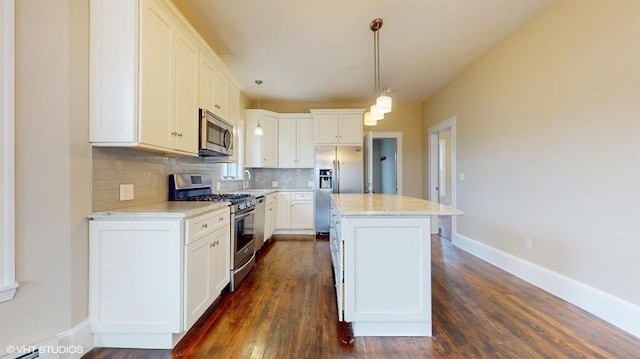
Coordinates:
(286, 309)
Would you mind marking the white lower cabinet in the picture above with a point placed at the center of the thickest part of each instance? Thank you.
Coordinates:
(295, 212)
(207, 257)
(382, 269)
(270, 216)
(151, 278)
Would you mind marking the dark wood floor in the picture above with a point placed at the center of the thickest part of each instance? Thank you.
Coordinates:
(286, 309)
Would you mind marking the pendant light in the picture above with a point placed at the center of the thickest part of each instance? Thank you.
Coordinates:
(383, 101)
(258, 131)
(368, 121)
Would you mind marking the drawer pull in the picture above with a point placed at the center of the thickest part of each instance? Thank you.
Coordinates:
(220, 219)
(205, 226)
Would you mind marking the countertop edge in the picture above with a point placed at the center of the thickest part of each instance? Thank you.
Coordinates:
(160, 210)
(385, 205)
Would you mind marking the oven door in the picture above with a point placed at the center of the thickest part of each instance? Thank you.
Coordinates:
(216, 135)
(243, 244)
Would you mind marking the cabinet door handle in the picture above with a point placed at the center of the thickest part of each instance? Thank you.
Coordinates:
(212, 245)
(205, 226)
(220, 219)
(174, 133)
(180, 134)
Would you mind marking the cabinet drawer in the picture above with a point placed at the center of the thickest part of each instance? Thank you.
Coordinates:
(205, 224)
(302, 196)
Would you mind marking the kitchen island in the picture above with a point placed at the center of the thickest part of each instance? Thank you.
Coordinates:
(381, 254)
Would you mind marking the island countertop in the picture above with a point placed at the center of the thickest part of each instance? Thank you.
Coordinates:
(377, 204)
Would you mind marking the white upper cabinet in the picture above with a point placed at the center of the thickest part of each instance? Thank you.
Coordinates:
(207, 81)
(338, 126)
(214, 89)
(146, 80)
(186, 95)
(261, 151)
(221, 97)
(296, 147)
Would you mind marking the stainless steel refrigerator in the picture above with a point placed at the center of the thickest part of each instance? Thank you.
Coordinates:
(339, 169)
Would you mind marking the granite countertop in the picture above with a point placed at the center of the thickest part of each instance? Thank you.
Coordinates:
(169, 209)
(258, 192)
(374, 204)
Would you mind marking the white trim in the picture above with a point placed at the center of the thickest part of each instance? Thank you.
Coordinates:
(8, 284)
(432, 168)
(397, 135)
(622, 314)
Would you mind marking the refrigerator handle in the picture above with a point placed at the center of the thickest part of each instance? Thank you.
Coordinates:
(336, 184)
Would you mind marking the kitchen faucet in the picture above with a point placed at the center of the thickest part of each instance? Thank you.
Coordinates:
(245, 182)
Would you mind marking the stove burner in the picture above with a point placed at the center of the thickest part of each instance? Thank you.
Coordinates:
(220, 197)
(197, 187)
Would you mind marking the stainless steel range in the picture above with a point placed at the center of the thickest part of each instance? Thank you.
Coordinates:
(198, 187)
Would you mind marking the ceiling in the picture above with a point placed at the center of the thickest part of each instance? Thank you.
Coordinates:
(322, 51)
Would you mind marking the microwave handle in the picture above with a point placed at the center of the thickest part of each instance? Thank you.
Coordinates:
(228, 139)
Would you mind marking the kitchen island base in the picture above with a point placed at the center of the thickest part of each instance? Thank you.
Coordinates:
(381, 256)
(383, 269)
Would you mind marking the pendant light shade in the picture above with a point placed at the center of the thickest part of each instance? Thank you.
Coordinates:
(383, 103)
(376, 114)
(258, 131)
(368, 121)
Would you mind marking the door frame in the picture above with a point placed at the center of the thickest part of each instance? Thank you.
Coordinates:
(370, 136)
(432, 168)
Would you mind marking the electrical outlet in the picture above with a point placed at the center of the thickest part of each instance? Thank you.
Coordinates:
(218, 186)
(274, 184)
(528, 244)
(126, 192)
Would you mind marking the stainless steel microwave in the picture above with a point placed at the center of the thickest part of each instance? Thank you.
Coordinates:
(216, 135)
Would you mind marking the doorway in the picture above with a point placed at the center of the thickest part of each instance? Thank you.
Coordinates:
(441, 173)
(383, 164)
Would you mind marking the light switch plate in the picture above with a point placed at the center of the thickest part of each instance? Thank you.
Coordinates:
(126, 192)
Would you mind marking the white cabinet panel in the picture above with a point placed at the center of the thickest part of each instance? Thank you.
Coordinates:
(284, 210)
(198, 262)
(296, 148)
(338, 126)
(156, 67)
(382, 267)
(135, 276)
(261, 151)
(295, 210)
(186, 95)
(151, 279)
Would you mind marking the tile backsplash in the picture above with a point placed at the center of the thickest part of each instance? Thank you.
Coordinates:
(286, 177)
(149, 173)
(146, 171)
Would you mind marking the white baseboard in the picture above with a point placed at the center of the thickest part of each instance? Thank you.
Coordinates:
(622, 314)
(70, 344)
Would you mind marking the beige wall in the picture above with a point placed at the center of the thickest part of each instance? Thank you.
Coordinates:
(549, 141)
(53, 171)
(405, 117)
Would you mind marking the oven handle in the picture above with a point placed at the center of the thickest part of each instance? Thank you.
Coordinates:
(243, 214)
(253, 255)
